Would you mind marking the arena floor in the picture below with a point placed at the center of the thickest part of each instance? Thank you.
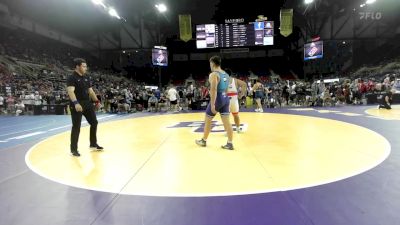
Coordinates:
(291, 166)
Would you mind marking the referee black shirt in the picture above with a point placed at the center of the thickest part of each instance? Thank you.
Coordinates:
(81, 84)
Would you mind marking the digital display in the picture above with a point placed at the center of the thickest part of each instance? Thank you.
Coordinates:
(235, 35)
(314, 50)
(159, 57)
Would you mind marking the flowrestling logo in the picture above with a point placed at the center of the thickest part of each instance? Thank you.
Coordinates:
(198, 126)
(370, 15)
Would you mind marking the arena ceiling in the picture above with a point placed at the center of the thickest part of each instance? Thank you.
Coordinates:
(81, 18)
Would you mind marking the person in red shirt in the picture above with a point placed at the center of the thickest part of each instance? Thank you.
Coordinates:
(10, 103)
(204, 92)
(371, 85)
(362, 86)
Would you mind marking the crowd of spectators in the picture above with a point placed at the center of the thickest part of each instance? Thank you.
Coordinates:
(22, 90)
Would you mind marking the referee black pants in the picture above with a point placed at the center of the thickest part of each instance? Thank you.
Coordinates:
(90, 115)
(385, 106)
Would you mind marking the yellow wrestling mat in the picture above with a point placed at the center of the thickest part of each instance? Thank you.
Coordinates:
(392, 114)
(157, 155)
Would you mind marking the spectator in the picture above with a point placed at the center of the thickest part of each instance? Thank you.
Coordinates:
(153, 103)
(10, 104)
(38, 98)
(1, 104)
(173, 98)
(19, 108)
(162, 103)
(123, 106)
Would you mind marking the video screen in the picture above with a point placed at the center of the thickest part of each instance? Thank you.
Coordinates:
(260, 33)
(160, 57)
(314, 50)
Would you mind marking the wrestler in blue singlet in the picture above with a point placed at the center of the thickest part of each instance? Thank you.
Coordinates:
(222, 100)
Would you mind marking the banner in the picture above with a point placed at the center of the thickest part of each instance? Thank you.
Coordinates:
(185, 27)
(286, 22)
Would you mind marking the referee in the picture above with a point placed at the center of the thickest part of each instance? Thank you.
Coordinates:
(79, 88)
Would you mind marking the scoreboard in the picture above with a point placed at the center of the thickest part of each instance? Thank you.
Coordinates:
(235, 35)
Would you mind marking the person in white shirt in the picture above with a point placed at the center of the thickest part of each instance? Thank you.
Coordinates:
(19, 108)
(30, 99)
(190, 94)
(22, 97)
(1, 104)
(38, 98)
(172, 96)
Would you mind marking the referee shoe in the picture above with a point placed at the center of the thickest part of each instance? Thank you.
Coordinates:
(96, 147)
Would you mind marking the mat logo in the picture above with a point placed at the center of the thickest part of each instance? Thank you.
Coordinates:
(198, 126)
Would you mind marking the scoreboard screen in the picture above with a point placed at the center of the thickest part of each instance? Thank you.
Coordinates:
(235, 35)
